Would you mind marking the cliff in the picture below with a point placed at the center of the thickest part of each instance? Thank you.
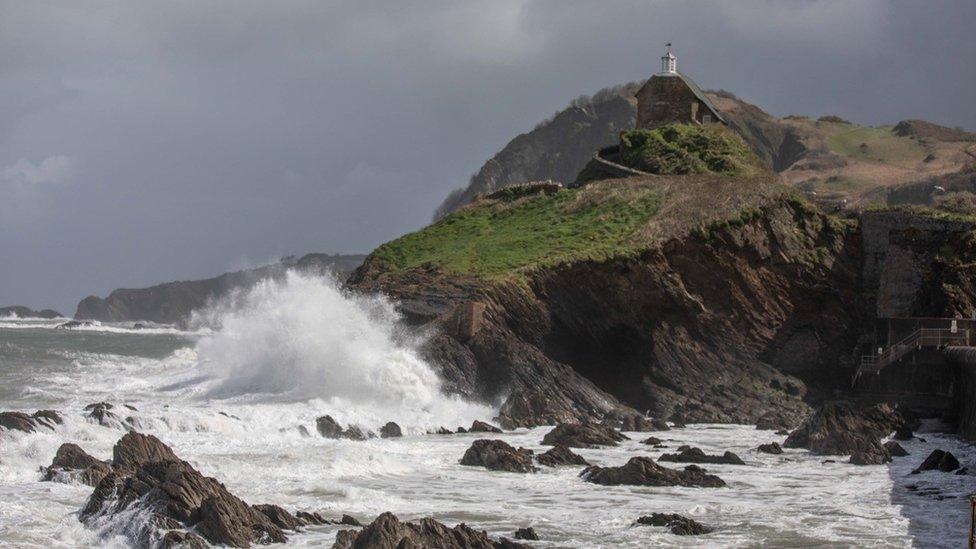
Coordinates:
(172, 302)
(20, 311)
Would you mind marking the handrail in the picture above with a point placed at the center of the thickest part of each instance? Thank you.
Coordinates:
(923, 337)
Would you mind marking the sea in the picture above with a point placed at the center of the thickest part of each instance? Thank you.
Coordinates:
(232, 392)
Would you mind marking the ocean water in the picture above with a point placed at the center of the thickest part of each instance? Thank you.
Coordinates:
(230, 395)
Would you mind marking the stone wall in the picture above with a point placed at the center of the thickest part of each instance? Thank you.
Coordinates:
(667, 99)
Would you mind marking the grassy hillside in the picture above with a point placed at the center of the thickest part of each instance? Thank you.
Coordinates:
(687, 149)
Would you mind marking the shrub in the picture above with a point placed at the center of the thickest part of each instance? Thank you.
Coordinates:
(685, 149)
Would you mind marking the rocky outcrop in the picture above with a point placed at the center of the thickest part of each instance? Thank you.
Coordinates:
(843, 428)
(330, 428)
(29, 423)
(72, 464)
(167, 494)
(526, 534)
(173, 302)
(481, 427)
(498, 455)
(560, 455)
(938, 460)
(771, 448)
(19, 311)
(388, 532)
(688, 454)
(583, 435)
(873, 453)
(894, 449)
(644, 471)
(391, 430)
(676, 524)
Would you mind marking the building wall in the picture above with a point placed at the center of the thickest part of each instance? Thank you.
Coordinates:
(667, 99)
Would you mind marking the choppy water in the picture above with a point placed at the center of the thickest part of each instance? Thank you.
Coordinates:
(230, 400)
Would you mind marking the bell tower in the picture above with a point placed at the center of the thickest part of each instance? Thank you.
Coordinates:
(669, 63)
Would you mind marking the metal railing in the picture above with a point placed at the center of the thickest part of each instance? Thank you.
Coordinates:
(923, 337)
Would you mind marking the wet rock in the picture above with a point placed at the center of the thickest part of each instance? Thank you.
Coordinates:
(634, 422)
(28, 423)
(872, 454)
(963, 471)
(771, 448)
(644, 471)
(148, 480)
(783, 432)
(527, 534)
(482, 427)
(355, 432)
(696, 455)
(178, 539)
(676, 524)
(101, 413)
(391, 430)
(498, 455)
(303, 430)
(74, 324)
(310, 517)
(444, 431)
(71, 463)
(775, 421)
(841, 428)
(280, 517)
(903, 433)
(461, 430)
(561, 455)
(895, 449)
(531, 408)
(652, 441)
(388, 532)
(583, 435)
(938, 460)
(349, 521)
(328, 427)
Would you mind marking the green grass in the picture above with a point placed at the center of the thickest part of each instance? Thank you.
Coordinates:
(882, 145)
(686, 149)
(495, 238)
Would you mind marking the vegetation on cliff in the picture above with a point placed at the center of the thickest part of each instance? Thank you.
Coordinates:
(686, 149)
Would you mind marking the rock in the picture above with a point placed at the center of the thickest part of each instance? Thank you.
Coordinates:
(354, 432)
(178, 539)
(391, 430)
(634, 422)
(328, 427)
(482, 427)
(526, 533)
(20, 421)
(443, 431)
(71, 463)
(310, 518)
(583, 435)
(696, 455)
(771, 448)
(102, 413)
(461, 430)
(963, 471)
(895, 449)
(652, 441)
(872, 454)
(676, 524)
(783, 432)
(279, 517)
(71, 324)
(939, 460)
(561, 455)
(525, 408)
(303, 430)
(388, 532)
(643, 471)
(840, 428)
(349, 521)
(773, 421)
(150, 482)
(903, 432)
(498, 455)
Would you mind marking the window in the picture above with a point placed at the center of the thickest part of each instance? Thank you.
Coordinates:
(707, 119)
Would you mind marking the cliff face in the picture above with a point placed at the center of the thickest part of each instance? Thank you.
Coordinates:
(172, 302)
(20, 311)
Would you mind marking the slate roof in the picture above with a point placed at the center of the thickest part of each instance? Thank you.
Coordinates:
(697, 91)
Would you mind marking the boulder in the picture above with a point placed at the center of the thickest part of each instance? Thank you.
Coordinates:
(348, 520)
(279, 517)
(388, 532)
(150, 482)
(391, 430)
(310, 517)
(583, 435)
(651, 441)
(644, 471)
(328, 427)
(482, 427)
(71, 463)
(355, 432)
(531, 408)
(676, 524)
(771, 448)
(841, 428)
(28, 423)
(498, 455)
(873, 453)
(461, 430)
(527, 534)
(895, 449)
(561, 455)
(939, 460)
(696, 455)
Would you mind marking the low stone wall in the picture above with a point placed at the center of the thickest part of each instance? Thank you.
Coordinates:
(964, 401)
(602, 166)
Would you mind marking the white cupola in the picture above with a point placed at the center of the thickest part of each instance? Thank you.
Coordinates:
(669, 63)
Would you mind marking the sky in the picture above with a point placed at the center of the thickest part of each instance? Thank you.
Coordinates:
(144, 142)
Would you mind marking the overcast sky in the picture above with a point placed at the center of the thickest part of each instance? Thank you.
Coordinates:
(142, 142)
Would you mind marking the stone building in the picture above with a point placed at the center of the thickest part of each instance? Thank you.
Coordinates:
(671, 97)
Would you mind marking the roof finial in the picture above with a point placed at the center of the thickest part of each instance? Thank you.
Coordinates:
(669, 63)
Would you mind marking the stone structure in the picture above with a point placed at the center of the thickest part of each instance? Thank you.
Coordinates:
(671, 97)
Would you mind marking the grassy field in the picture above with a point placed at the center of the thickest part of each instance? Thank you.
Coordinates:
(878, 144)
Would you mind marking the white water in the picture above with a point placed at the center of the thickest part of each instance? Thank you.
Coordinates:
(287, 353)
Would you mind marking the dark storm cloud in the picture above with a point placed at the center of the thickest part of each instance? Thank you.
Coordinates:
(144, 142)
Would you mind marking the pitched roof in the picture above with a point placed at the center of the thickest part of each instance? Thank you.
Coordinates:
(697, 91)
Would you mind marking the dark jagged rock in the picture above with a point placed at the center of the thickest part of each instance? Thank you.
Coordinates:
(903, 433)
(328, 427)
(349, 521)
(391, 430)
(355, 432)
(841, 428)
(444, 431)
(561, 455)
(526, 534)
(783, 432)
(635, 422)
(895, 449)
(101, 413)
(178, 539)
(652, 441)
(874, 453)
(498, 455)
(696, 455)
(28, 423)
(148, 478)
(482, 427)
(939, 460)
(775, 421)
(310, 517)
(20, 311)
(771, 448)
(644, 471)
(461, 430)
(388, 532)
(583, 435)
(280, 517)
(530, 408)
(71, 463)
(676, 524)
(72, 324)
